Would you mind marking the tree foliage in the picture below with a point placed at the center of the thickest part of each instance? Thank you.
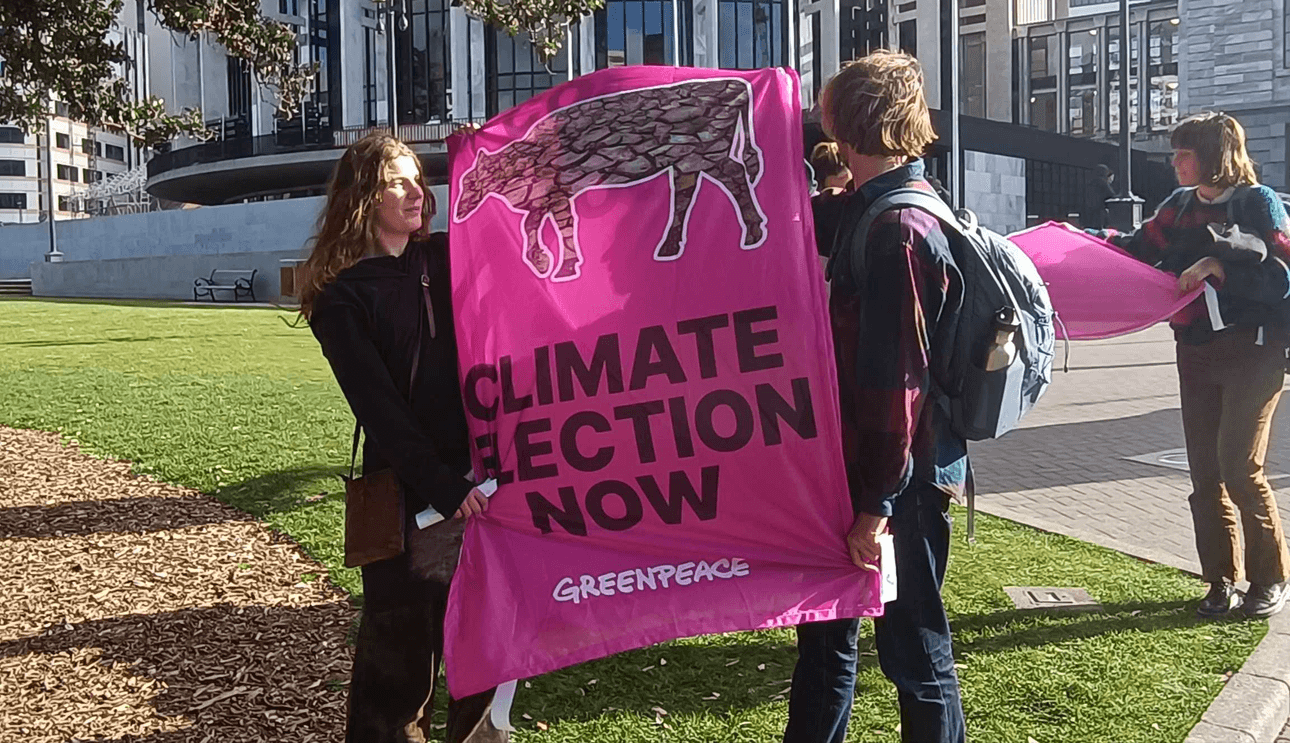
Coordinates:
(65, 49)
(544, 21)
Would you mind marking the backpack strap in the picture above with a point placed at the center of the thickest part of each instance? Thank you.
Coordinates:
(899, 198)
(917, 198)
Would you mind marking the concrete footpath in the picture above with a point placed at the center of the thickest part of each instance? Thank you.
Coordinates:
(1100, 460)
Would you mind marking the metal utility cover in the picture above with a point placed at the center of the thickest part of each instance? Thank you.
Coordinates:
(1051, 599)
(1175, 459)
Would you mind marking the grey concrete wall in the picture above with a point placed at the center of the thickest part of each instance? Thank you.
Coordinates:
(995, 188)
(213, 230)
(154, 277)
(1232, 59)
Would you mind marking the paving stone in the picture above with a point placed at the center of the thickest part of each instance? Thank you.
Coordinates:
(1207, 733)
(1065, 470)
(1259, 706)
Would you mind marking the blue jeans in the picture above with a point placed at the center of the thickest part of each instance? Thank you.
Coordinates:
(912, 637)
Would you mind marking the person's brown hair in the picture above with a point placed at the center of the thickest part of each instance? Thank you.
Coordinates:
(827, 161)
(876, 106)
(1219, 143)
(347, 227)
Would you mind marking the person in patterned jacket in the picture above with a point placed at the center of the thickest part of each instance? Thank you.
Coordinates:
(1223, 228)
(903, 462)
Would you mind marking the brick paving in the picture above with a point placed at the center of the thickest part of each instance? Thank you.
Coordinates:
(1064, 471)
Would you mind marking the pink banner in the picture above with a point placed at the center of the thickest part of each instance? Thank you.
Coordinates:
(1098, 290)
(648, 372)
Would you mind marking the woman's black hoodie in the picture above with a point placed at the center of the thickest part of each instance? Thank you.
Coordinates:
(367, 322)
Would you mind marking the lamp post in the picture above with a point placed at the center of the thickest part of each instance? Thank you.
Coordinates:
(53, 256)
(949, 22)
(391, 76)
(1125, 210)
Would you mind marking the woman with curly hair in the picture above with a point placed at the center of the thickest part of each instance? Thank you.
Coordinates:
(378, 299)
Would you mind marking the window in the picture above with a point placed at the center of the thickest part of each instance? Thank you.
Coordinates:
(1162, 72)
(1285, 18)
(634, 32)
(1082, 55)
(371, 52)
(517, 75)
(12, 135)
(1113, 67)
(908, 33)
(62, 141)
(289, 7)
(64, 204)
(751, 34)
(424, 62)
(239, 88)
(320, 54)
(1043, 82)
(13, 201)
(1043, 110)
(113, 152)
(13, 167)
(61, 109)
(66, 173)
(87, 145)
(91, 176)
(972, 64)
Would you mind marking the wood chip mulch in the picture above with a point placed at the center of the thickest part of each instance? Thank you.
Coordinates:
(132, 610)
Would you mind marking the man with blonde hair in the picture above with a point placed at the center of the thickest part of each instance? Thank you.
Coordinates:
(895, 292)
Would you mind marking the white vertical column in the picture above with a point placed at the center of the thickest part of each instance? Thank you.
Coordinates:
(459, 43)
(830, 59)
(588, 49)
(478, 83)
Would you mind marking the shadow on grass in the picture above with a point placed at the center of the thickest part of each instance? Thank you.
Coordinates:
(283, 491)
(1113, 618)
(102, 341)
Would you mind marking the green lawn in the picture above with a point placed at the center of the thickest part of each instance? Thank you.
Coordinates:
(235, 403)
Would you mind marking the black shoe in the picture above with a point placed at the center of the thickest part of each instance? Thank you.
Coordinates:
(1262, 601)
(1221, 599)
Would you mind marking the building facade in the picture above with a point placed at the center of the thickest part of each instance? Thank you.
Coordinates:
(1237, 60)
(451, 69)
(85, 159)
(82, 157)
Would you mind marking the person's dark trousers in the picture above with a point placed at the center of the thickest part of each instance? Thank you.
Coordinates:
(913, 634)
(819, 706)
(396, 663)
(912, 637)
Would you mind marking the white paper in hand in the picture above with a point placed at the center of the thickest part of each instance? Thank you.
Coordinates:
(887, 565)
(430, 516)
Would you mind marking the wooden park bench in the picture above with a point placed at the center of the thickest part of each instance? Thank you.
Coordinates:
(241, 282)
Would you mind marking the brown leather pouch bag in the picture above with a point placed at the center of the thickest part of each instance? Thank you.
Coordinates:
(374, 516)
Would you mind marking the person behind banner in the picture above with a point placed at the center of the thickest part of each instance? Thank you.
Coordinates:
(903, 463)
(828, 203)
(395, 360)
(1223, 228)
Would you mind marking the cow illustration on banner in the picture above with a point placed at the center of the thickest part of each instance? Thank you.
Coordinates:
(688, 131)
(664, 432)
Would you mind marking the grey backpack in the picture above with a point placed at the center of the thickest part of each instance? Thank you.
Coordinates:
(996, 275)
